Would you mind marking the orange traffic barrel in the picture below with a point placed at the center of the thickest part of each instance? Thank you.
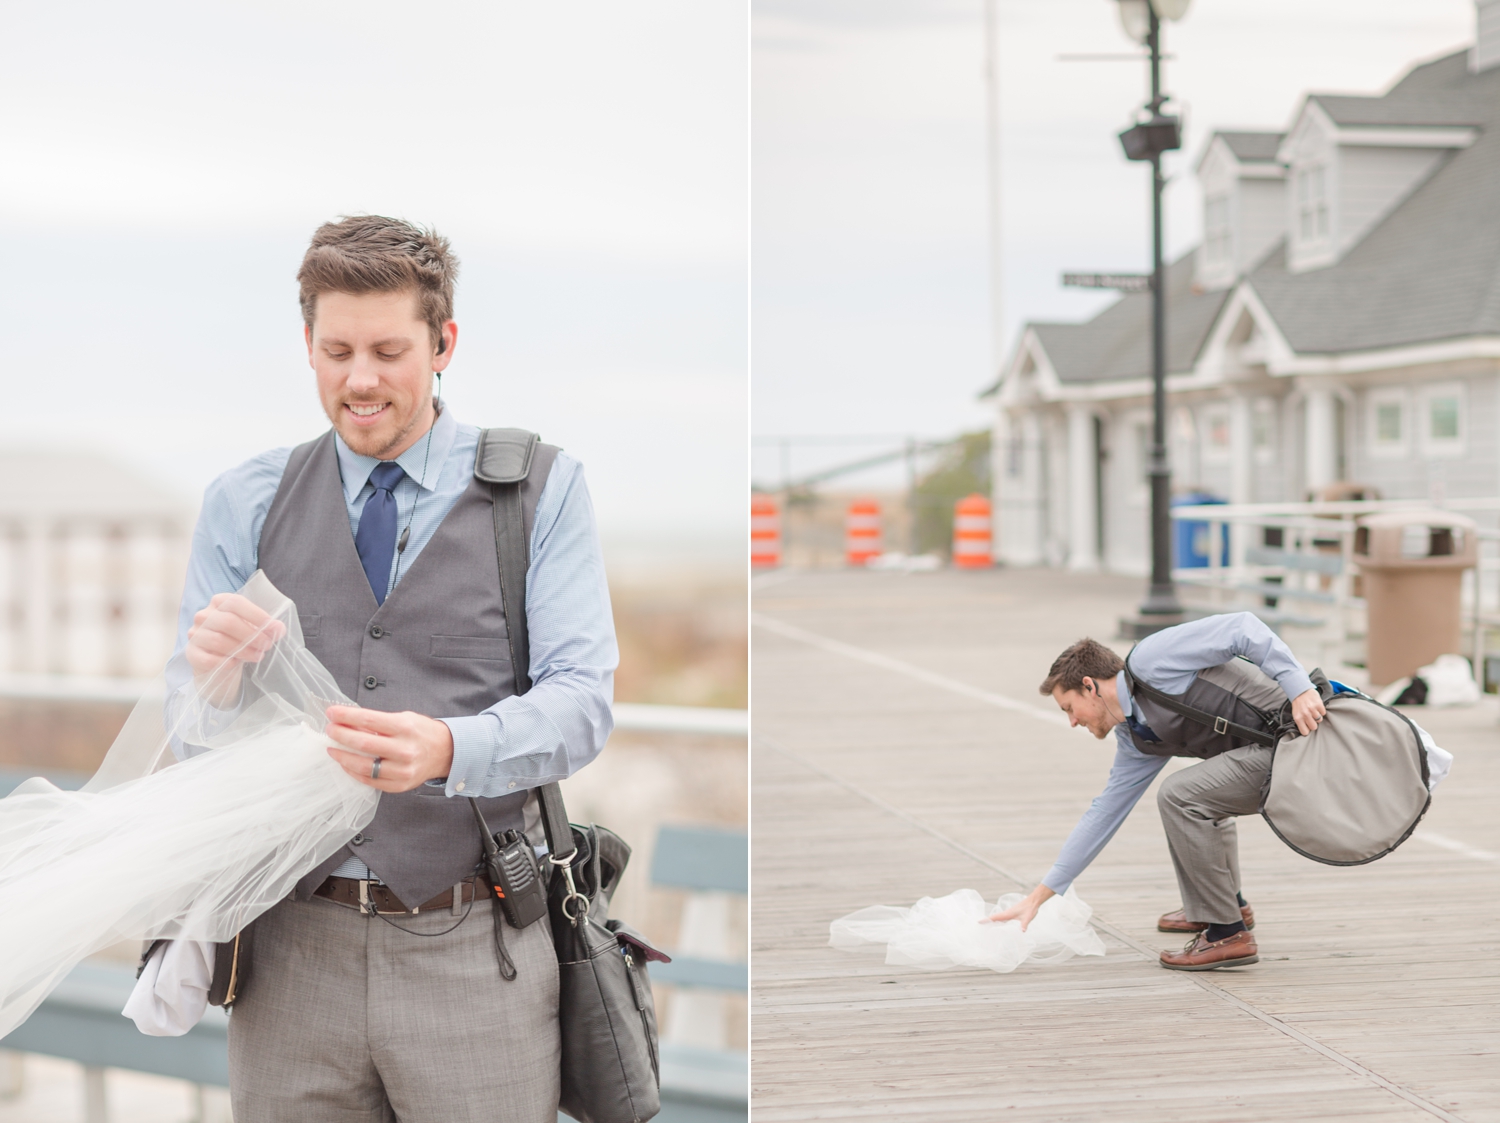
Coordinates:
(765, 532)
(861, 531)
(971, 533)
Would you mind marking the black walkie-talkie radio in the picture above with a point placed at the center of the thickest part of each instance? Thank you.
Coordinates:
(510, 864)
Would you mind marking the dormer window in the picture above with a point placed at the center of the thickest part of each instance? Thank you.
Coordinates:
(1312, 203)
(1244, 205)
(1216, 228)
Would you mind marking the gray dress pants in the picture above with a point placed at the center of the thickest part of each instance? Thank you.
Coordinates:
(344, 1018)
(1198, 806)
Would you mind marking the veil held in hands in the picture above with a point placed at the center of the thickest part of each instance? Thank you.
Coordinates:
(200, 818)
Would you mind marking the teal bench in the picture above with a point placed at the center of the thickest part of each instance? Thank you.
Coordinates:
(702, 1085)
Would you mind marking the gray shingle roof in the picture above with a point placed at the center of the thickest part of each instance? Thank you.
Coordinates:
(1431, 269)
(1428, 271)
(1431, 111)
(1116, 343)
(1252, 148)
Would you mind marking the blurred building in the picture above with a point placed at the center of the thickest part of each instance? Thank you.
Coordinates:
(1339, 322)
(92, 557)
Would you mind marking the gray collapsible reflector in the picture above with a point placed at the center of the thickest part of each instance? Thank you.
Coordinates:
(1352, 790)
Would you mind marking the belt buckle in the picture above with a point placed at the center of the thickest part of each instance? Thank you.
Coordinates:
(367, 906)
(1221, 725)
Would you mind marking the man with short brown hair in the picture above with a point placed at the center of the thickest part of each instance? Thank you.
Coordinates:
(1231, 664)
(375, 992)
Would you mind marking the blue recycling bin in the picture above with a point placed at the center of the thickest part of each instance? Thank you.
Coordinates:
(1190, 536)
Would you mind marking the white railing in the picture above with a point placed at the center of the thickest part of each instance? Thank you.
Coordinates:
(1314, 567)
(635, 716)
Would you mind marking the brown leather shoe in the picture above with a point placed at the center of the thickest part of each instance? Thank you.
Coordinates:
(1178, 921)
(1200, 955)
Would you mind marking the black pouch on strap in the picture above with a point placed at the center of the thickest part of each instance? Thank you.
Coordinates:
(231, 970)
(611, 1071)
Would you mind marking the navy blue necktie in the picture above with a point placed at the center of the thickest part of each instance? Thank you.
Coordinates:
(1144, 731)
(376, 539)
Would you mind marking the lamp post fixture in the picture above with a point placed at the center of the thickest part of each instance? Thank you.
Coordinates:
(1146, 141)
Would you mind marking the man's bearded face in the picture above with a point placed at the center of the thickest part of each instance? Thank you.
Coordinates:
(374, 358)
(1086, 708)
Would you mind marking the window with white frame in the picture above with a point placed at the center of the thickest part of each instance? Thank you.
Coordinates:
(1441, 419)
(1216, 434)
(1386, 423)
(1263, 429)
(1216, 245)
(1312, 203)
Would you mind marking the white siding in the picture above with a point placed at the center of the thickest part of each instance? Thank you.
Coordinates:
(1018, 484)
(1055, 445)
(1126, 509)
(1261, 220)
(1412, 473)
(1486, 52)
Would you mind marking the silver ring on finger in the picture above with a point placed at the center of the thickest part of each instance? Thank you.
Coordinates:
(375, 769)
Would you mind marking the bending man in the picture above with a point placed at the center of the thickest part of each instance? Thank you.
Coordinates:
(1216, 664)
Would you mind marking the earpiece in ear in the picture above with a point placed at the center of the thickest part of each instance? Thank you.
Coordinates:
(442, 345)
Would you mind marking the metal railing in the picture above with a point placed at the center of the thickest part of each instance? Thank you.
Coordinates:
(1307, 580)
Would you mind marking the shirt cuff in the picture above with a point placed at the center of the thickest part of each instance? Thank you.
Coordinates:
(476, 741)
(1295, 683)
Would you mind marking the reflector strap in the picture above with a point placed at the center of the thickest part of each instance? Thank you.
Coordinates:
(1218, 724)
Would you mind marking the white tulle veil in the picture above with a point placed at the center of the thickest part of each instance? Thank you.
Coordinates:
(195, 848)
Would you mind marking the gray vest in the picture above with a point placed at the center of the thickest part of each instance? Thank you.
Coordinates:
(1237, 690)
(437, 646)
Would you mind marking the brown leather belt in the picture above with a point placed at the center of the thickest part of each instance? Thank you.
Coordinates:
(347, 891)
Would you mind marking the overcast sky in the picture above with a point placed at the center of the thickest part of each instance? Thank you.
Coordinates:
(870, 286)
(162, 164)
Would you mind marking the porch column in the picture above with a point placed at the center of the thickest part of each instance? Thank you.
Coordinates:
(1083, 500)
(1027, 550)
(1321, 444)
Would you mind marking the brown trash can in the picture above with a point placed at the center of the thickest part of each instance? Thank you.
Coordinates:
(1412, 563)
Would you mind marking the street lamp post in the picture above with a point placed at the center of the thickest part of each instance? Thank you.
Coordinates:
(1146, 141)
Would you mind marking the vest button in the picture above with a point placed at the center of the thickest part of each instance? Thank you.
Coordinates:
(376, 630)
(370, 682)
(357, 840)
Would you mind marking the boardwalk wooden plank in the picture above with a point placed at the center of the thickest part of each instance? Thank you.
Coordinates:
(873, 787)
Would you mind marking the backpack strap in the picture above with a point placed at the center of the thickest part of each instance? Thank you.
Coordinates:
(1215, 722)
(503, 462)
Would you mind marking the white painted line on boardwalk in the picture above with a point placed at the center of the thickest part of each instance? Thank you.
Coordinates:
(1458, 847)
(907, 670)
(770, 580)
(1214, 989)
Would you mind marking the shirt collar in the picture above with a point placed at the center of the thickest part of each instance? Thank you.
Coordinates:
(1127, 700)
(355, 469)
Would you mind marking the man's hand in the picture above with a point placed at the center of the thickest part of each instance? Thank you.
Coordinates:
(1307, 711)
(1023, 910)
(230, 630)
(412, 748)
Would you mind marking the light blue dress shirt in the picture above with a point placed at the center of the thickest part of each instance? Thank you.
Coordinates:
(523, 741)
(1168, 660)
